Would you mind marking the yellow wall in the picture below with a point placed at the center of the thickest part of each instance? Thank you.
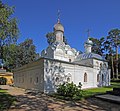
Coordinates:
(8, 76)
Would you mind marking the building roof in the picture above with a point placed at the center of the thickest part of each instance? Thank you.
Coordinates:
(58, 26)
(89, 56)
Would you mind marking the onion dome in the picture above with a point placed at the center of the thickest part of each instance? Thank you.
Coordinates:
(89, 42)
(58, 26)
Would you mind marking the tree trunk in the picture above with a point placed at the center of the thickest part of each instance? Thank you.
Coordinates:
(112, 66)
(116, 62)
(1, 52)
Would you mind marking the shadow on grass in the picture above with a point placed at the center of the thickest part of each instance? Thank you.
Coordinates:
(6, 100)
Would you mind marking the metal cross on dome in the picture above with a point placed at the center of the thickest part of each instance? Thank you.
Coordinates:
(88, 31)
(58, 14)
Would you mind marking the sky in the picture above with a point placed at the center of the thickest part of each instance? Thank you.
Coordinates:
(37, 17)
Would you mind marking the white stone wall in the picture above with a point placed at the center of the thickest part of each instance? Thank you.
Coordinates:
(46, 74)
(62, 70)
(61, 52)
(30, 76)
(101, 68)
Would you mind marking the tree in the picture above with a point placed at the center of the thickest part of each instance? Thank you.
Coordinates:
(19, 55)
(25, 53)
(98, 45)
(10, 56)
(51, 38)
(113, 42)
(110, 58)
(8, 27)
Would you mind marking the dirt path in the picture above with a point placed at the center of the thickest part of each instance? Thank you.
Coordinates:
(13, 90)
(41, 102)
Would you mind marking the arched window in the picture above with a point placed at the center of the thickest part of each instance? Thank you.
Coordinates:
(105, 65)
(102, 77)
(68, 79)
(37, 80)
(100, 65)
(69, 60)
(85, 77)
(57, 80)
(98, 78)
(97, 63)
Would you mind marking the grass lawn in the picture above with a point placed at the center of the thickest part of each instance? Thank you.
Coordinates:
(6, 100)
(2, 91)
(101, 90)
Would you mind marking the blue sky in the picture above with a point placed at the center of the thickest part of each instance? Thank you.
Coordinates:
(37, 18)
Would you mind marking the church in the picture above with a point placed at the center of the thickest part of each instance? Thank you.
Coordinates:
(61, 63)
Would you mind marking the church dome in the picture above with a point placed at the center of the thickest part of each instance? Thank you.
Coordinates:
(89, 42)
(58, 27)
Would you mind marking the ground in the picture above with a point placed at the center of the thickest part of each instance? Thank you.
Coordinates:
(42, 102)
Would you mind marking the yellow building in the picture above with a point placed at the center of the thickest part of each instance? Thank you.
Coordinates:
(7, 75)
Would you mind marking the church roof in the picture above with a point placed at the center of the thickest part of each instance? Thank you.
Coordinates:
(89, 56)
(58, 26)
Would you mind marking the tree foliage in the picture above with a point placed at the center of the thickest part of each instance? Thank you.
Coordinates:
(10, 56)
(19, 55)
(111, 45)
(8, 27)
(98, 45)
(26, 52)
(50, 38)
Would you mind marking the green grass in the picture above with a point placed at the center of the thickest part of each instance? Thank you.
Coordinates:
(115, 84)
(6, 100)
(3, 91)
(101, 90)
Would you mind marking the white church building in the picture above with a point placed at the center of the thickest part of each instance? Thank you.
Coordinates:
(60, 63)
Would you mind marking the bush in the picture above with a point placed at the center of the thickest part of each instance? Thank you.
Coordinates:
(70, 91)
(115, 80)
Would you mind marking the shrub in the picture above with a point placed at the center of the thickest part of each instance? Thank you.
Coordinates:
(115, 80)
(70, 91)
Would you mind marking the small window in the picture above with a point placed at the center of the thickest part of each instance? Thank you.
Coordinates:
(102, 77)
(23, 79)
(69, 60)
(68, 79)
(97, 64)
(57, 80)
(98, 78)
(37, 80)
(105, 65)
(85, 77)
(100, 65)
